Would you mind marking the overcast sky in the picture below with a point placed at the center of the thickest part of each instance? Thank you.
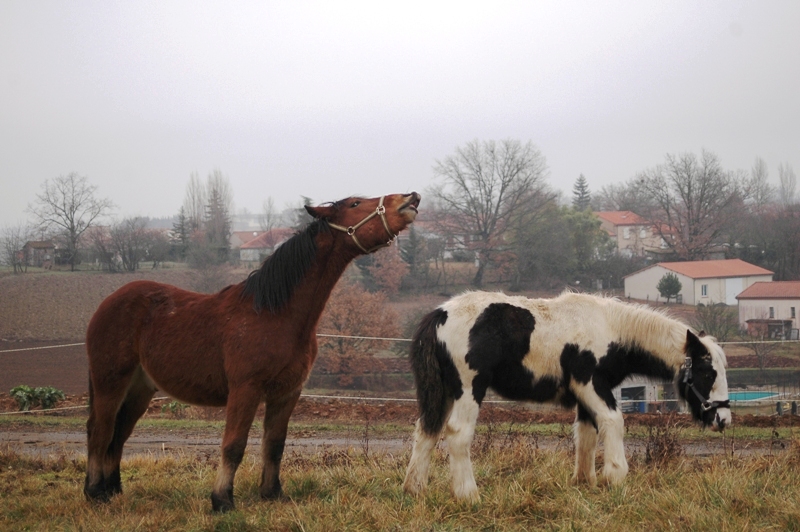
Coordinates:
(328, 99)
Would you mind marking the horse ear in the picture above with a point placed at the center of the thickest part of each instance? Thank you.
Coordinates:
(692, 341)
(320, 212)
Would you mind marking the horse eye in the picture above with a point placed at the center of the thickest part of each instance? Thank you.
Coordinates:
(355, 204)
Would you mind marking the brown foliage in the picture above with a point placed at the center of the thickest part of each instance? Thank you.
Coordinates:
(352, 311)
(388, 270)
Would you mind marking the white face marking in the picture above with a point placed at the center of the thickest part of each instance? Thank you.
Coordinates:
(719, 390)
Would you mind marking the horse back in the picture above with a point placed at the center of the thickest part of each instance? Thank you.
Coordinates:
(176, 336)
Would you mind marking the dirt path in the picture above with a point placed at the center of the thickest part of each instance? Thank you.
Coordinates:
(206, 443)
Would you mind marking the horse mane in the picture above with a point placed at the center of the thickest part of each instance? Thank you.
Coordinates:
(273, 283)
(635, 321)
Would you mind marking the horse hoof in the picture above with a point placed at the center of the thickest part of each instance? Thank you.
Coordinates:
(221, 504)
(96, 494)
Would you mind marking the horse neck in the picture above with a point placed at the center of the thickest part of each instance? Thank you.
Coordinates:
(660, 335)
(312, 294)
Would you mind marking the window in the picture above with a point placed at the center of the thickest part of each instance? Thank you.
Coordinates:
(626, 233)
(642, 232)
(771, 312)
(791, 310)
(704, 290)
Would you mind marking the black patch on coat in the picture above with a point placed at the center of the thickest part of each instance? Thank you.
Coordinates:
(703, 377)
(620, 362)
(435, 374)
(498, 342)
(577, 364)
(586, 416)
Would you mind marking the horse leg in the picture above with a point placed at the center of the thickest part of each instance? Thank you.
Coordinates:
(239, 413)
(459, 430)
(140, 392)
(418, 466)
(612, 429)
(585, 434)
(276, 421)
(104, 405)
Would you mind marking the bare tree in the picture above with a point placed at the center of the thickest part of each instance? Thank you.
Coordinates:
(69, 206)
(12, 241)
(484, 185)
(629, 196)
(269, 216)
(787, 190)
(129, 241)
(194, 204)
(718, 320)
(694, 200)
(761, 192)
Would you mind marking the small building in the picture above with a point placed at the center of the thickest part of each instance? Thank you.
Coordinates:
(261, 246)
(703, 281)
(632, 234)
(640, 394)
(770, 309)
(39, 253)
(238, 238)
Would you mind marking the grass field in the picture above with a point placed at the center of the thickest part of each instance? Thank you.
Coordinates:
(523, 487)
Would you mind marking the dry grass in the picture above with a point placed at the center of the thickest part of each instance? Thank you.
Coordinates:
(522, 488)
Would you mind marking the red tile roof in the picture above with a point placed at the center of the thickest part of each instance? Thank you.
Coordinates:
(269, 239)
(704, 269)
(247, 236)
(622, 218)
(773, 290)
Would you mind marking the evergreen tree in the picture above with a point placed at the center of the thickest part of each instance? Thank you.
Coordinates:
(669, 286)
(180, 233)
(301, 216)
(218, 224)
(581, 197)
(412, 250)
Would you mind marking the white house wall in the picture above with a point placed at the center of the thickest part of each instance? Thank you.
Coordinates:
(758, 309)
(642, 285)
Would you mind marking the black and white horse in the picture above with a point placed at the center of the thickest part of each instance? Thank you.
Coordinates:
(572, 350)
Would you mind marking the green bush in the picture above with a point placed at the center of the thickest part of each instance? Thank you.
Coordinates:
(45, 396)
(176, 408)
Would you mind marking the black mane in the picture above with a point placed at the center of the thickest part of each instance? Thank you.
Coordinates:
(273, 283)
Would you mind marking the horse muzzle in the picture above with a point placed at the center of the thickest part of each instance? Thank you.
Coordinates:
(722, 419)
(410, 207)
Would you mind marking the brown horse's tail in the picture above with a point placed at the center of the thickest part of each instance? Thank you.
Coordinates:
(435, 375)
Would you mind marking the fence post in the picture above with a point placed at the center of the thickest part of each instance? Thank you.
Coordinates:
(779, 408)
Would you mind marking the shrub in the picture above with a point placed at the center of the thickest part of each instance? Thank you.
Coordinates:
(45, 396)
(176, 408)
(669, 286)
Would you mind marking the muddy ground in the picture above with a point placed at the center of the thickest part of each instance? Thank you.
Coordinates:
(311, 431)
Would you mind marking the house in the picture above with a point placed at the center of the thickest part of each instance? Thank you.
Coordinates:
(632, 234)
(261, 246)
(703, 281)
(39, 253)
(770, 309)
(238, 238)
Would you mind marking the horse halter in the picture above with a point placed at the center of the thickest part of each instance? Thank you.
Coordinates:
(688, 382)
(379, 211)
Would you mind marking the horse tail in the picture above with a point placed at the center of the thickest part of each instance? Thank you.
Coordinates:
(435, 375)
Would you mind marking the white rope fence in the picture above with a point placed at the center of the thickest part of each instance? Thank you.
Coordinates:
(381, 399)
(380, 338)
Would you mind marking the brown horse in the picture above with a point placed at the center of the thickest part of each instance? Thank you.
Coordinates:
(251, 342)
